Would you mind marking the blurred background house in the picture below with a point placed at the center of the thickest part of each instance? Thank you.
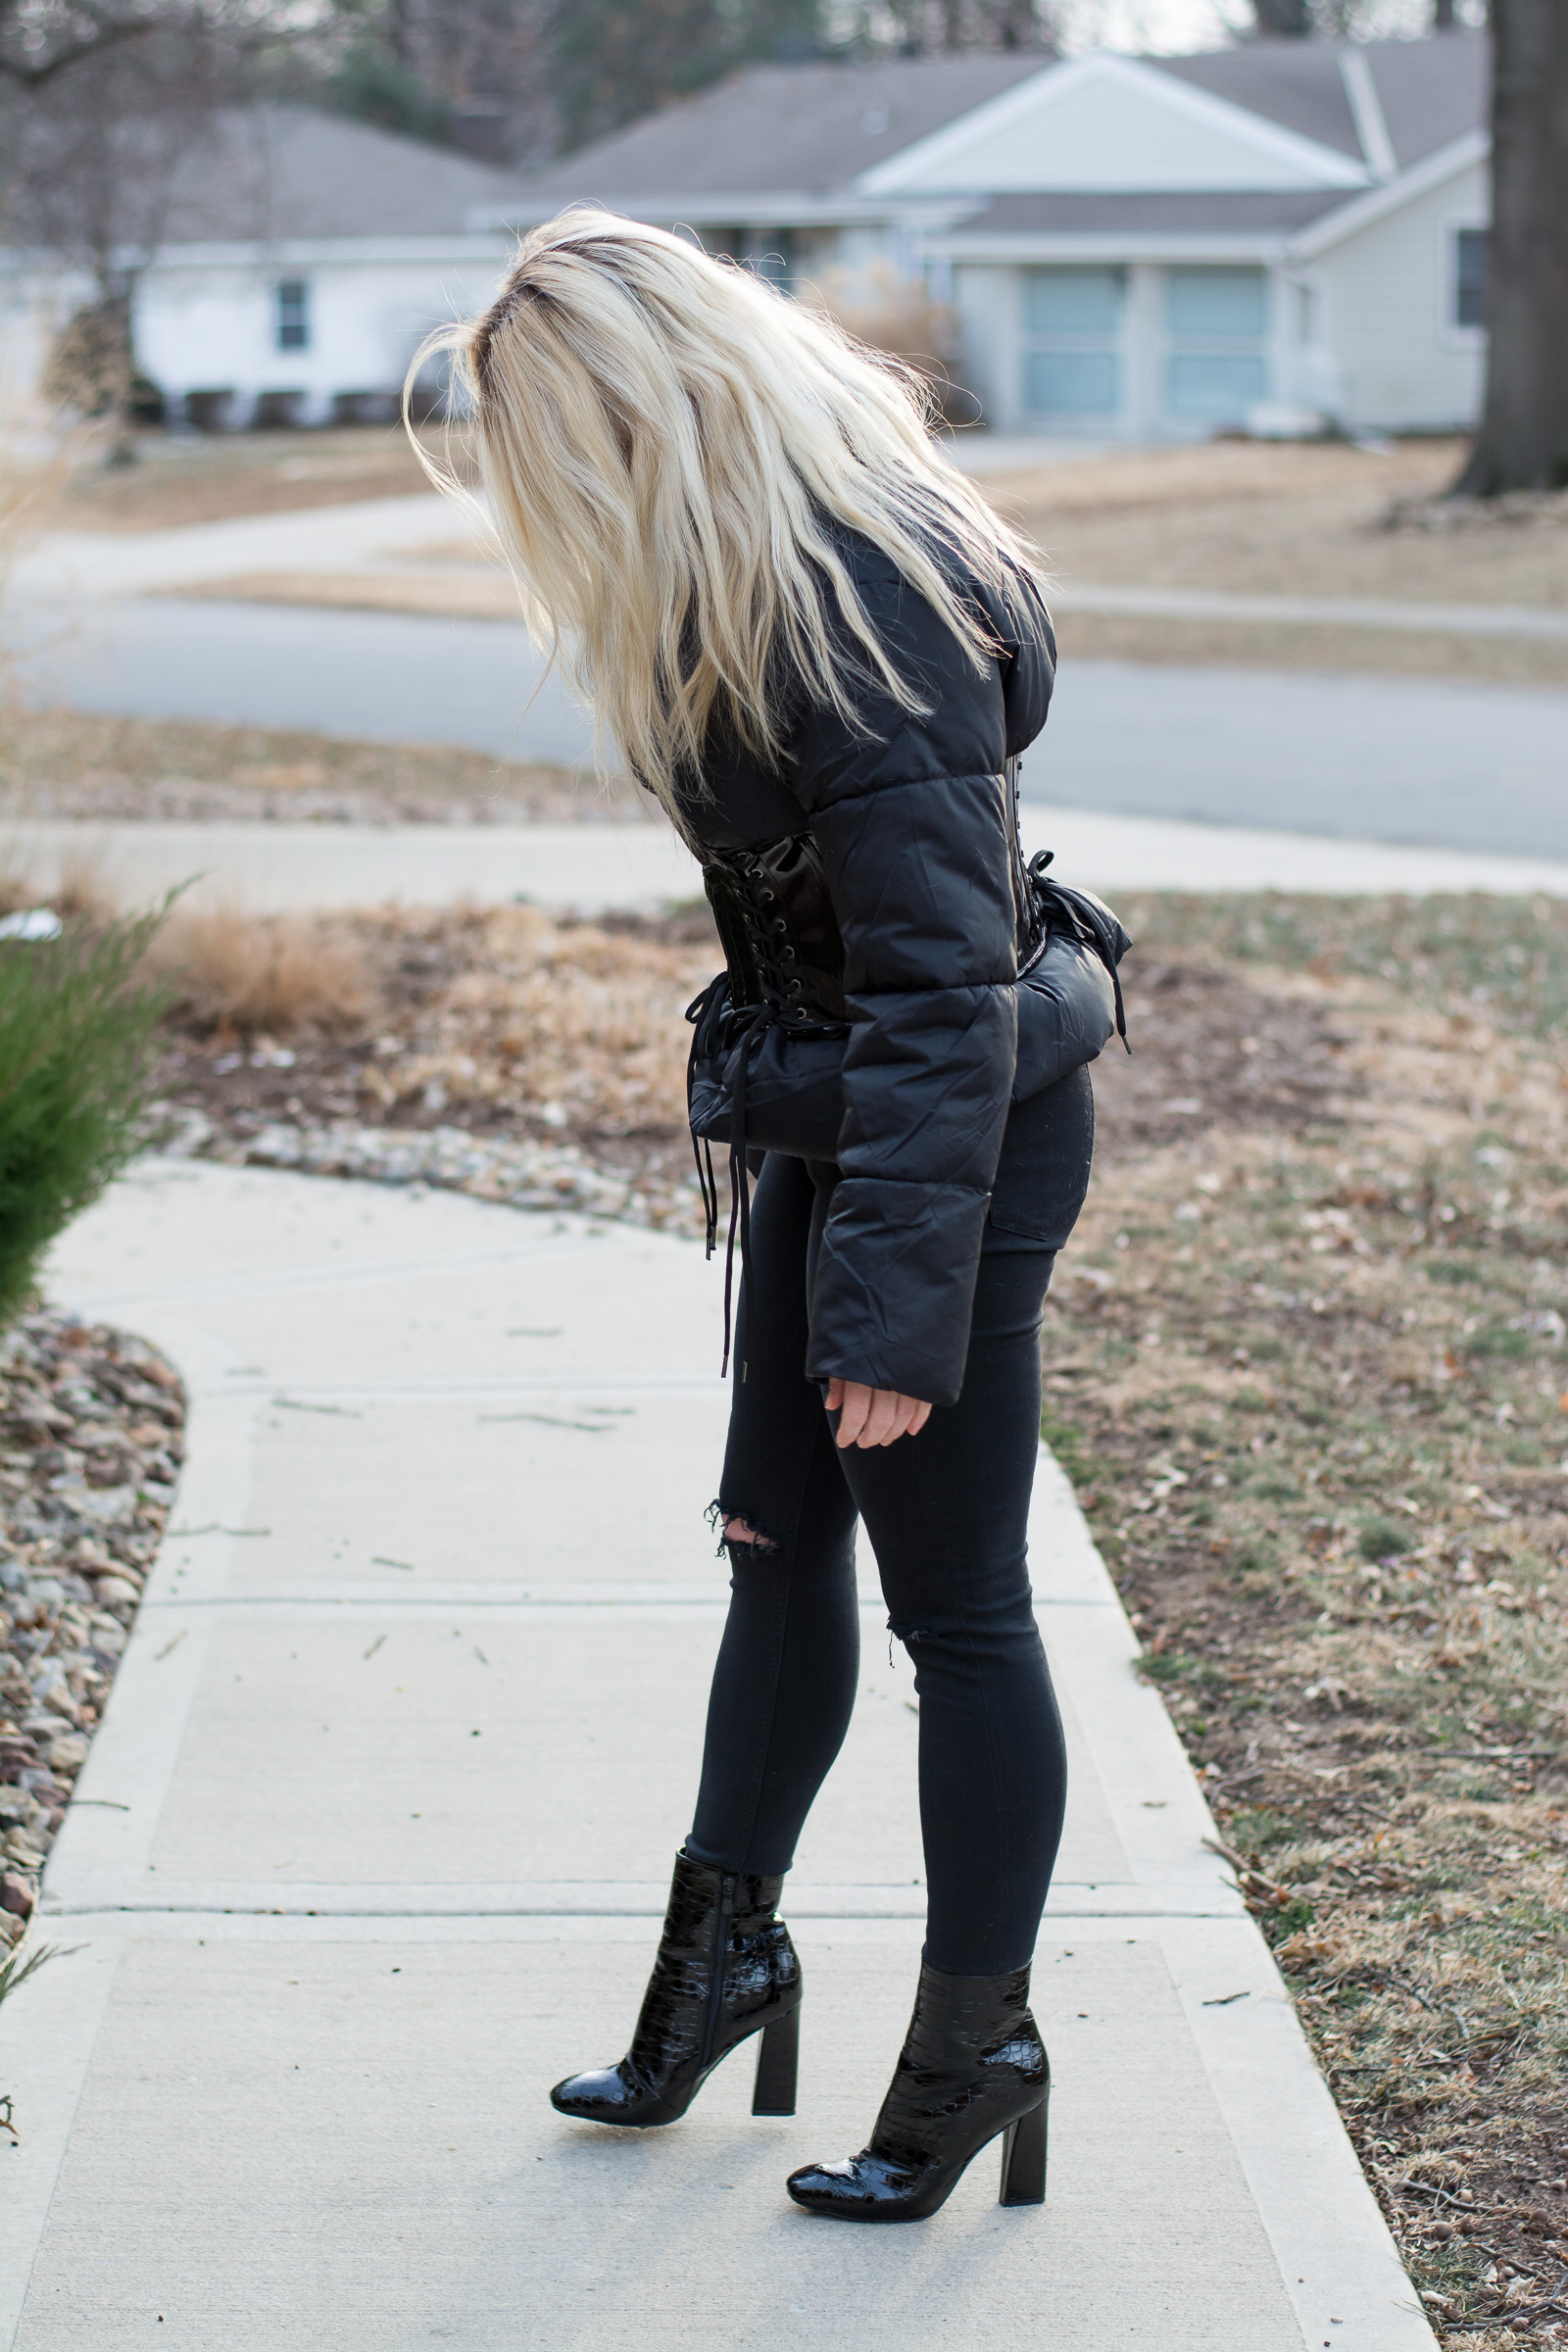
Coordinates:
(1271, 237)
(300, 260)
(1132, 248)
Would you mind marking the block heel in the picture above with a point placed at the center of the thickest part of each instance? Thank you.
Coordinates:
(777, 2062)
(1023, 2159)
(973, 2070)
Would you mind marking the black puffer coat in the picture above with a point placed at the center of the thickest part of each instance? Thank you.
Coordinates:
(873, 901)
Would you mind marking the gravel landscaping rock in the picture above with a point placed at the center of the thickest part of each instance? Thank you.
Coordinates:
(520, 1175)
(91, 1438)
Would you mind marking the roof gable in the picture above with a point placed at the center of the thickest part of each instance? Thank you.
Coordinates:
(1105, 122)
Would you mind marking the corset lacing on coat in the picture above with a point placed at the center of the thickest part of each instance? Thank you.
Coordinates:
(784, 971)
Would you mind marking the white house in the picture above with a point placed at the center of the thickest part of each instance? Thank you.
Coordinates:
(1141, 248)
(303, 260)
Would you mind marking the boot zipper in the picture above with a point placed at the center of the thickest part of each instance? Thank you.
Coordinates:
(716, 1989)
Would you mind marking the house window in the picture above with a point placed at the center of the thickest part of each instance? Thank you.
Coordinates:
(1217, 362)
(1072, 342)
(292, 323)
(1471, 252)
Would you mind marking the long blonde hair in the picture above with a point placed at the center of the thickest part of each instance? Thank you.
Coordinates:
(666, 443)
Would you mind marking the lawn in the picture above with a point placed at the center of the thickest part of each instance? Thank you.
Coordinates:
(68, 763)
(1305, 1364)
(216, 476)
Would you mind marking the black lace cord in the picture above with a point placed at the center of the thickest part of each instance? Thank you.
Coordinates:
(740, 1180)
(698, 1012)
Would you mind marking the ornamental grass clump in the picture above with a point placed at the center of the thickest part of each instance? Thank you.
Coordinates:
(77, 1047)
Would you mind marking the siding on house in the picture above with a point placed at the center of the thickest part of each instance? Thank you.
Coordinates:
(210, 322)
(1388, 301)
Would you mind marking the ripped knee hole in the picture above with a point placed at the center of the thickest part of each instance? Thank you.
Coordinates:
(738, 1533)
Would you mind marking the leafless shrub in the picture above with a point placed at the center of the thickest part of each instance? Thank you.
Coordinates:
(898, 316)
(271, 973)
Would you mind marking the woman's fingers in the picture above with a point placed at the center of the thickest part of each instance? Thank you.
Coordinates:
(855, 1402)
(873, 1416)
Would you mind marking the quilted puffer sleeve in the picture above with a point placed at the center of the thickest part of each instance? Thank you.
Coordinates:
(910, 814)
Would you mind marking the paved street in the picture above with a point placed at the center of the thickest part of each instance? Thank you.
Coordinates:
(371, 1845)
(1431, 762)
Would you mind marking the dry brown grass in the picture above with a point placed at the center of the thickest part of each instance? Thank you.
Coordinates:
(81, 890)
(1306, 1366)
(450, 591)
(1302, 519)
(496, 1019)
(76, 765)
(272, 975)
(227, 474)
(1296, 645)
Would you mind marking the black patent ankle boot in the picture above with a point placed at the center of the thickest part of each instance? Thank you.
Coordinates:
(726, 1968)
(973, 2068)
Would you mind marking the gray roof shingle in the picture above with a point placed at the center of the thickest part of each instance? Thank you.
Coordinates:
(780, 130)
(783, 129)
(1433, 91)
(1294, 83)
(274, 172)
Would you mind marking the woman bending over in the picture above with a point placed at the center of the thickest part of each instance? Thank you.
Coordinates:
(809, 636)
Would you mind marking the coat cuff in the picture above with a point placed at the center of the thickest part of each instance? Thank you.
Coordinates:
(894, 1291)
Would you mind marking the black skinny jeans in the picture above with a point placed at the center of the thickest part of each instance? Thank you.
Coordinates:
(947, 1514)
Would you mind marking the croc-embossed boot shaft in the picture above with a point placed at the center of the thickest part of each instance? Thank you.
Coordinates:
(726, 1968)
(974, 2068)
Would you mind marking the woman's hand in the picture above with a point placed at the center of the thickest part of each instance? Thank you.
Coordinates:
(874, 1416)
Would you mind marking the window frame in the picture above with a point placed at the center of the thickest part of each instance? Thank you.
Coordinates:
(1113, 341)
(1451, 329)
(1176, 345)
(295, 315)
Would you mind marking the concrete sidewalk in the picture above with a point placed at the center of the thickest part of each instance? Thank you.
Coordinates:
(373, 1841)
(265, 868)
